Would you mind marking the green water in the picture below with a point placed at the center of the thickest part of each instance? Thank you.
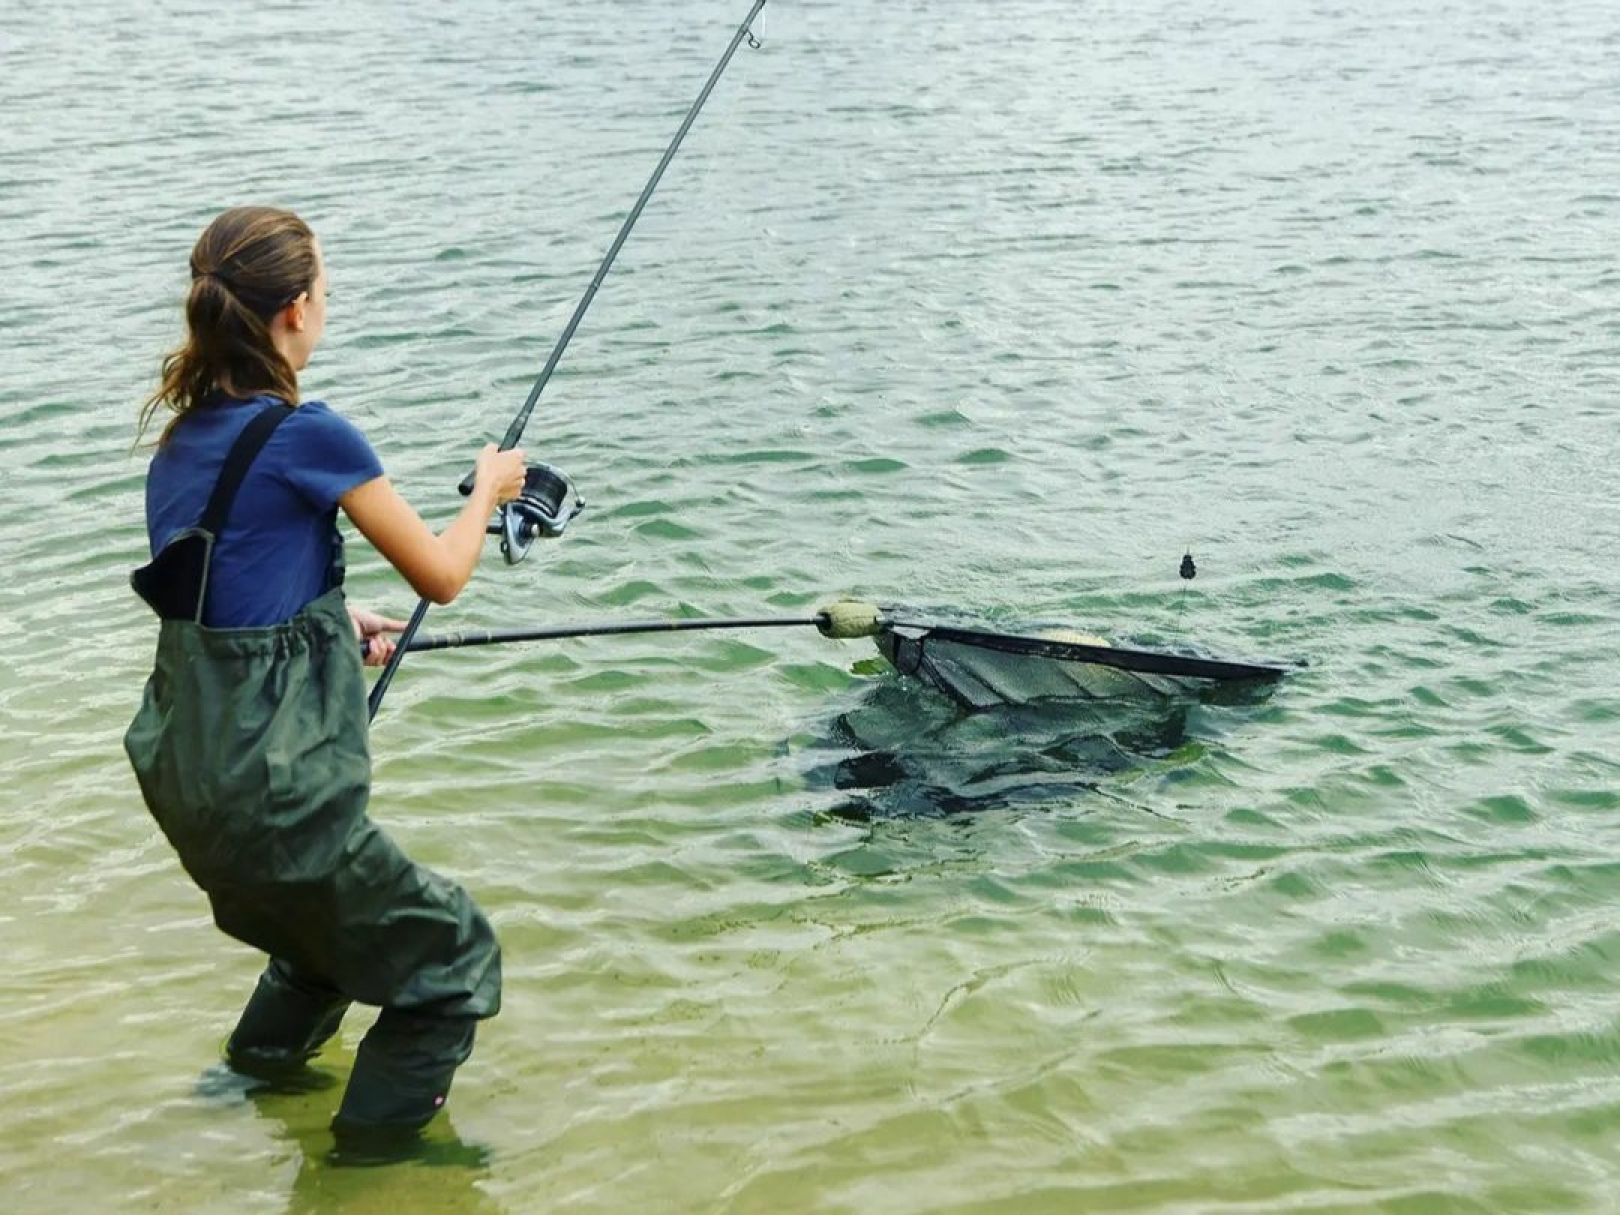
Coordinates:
(994, 306)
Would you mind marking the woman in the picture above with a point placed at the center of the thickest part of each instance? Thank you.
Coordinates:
(250, 743)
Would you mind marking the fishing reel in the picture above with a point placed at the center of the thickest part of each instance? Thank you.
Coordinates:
(545, 507)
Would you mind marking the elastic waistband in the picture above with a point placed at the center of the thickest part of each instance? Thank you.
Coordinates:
(319, 622)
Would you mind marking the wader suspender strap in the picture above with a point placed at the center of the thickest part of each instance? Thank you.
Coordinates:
(175, 582)
(237, 462)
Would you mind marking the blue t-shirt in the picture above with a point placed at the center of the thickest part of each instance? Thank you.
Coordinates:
(274, 553)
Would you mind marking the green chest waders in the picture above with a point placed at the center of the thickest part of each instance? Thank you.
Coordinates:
(250, 746)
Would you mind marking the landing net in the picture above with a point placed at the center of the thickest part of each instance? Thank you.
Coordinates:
(980, 669)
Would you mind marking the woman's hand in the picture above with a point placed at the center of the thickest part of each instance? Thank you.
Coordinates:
(502, 471)
(369, 627)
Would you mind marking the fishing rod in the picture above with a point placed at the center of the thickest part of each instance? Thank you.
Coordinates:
(548, 500)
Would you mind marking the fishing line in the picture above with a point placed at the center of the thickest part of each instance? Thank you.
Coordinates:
(551, 498)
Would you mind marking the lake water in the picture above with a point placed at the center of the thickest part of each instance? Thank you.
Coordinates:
(994, 307)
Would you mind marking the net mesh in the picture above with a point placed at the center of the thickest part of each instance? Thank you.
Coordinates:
(1022, 719)
(979, 677)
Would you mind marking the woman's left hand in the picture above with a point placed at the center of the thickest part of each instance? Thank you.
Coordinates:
(369, 627)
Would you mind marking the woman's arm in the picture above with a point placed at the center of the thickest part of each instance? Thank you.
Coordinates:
(437, 567)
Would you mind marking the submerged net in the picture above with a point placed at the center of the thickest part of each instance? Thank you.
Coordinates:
(896, 751)
(1051, 717)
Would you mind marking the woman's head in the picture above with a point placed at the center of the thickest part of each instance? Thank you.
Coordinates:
(256, 310)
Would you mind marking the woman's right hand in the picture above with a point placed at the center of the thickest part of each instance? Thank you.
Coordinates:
(502, 471)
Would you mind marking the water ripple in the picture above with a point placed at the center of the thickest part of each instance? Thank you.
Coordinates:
(967, 305)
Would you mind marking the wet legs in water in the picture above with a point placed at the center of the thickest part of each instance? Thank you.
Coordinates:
(289, 1017)
(403, 1070)
(404, 1066)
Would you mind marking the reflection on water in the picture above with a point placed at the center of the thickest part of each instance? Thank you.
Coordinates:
(437, 1171)
(441, 1174)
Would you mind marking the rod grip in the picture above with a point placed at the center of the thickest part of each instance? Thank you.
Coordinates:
(467, 482)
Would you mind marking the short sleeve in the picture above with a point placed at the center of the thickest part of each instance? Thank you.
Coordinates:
(326, 456)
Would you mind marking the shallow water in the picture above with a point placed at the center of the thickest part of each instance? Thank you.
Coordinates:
(991, 306)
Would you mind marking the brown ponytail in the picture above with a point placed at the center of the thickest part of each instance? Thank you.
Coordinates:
(248, 264)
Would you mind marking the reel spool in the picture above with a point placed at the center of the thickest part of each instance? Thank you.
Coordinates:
(545, 508)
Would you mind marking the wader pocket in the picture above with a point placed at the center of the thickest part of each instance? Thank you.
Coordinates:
(172, 582)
